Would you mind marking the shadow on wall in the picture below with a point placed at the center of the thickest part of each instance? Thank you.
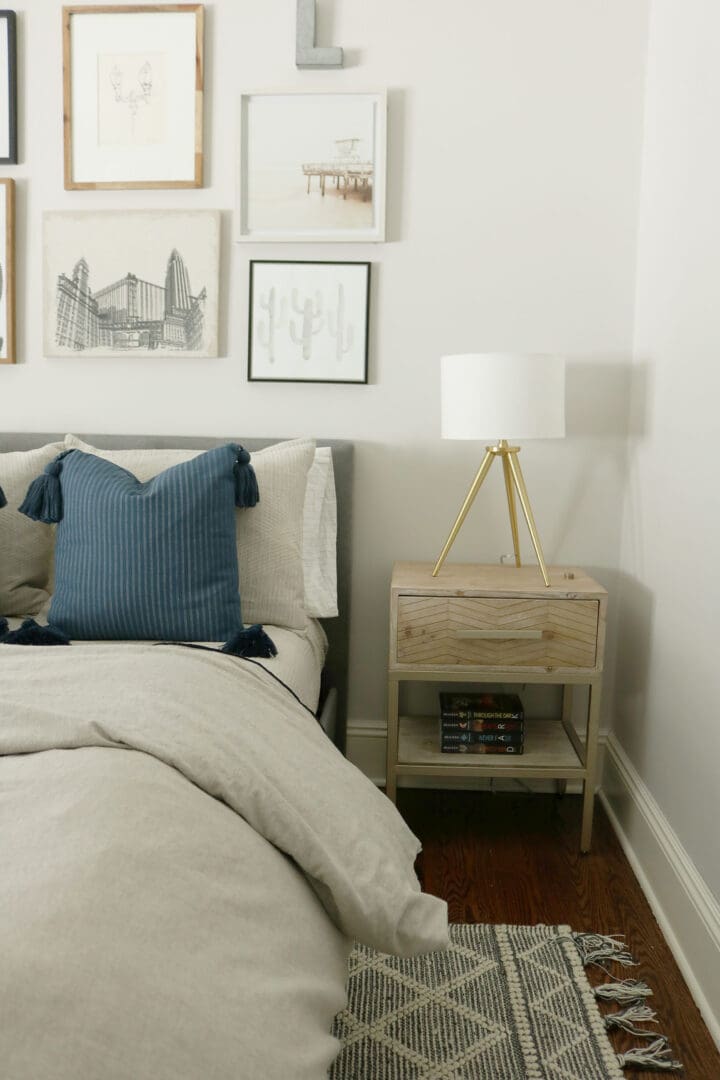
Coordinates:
(635, 613)
(606, 397)
(606, 401)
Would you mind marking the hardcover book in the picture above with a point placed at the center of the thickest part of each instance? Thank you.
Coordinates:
(480, 706)
(492, 738)
(452, 726)
(481, 748)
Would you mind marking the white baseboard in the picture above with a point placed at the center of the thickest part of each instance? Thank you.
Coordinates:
(688, 913)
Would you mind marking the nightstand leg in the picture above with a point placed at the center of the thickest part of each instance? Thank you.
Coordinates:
(591, 744)
(392, 740)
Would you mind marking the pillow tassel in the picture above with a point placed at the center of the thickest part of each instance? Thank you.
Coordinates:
(43, 501)
(246, 487)
(3, 500)
(31, 633)
(252, 641)
(3, 626)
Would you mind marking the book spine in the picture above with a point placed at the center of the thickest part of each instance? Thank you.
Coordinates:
(492, 738)
(481, 748)
(480, 714)
(452, 726)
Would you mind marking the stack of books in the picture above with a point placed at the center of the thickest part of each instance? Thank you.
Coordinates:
(481, 723)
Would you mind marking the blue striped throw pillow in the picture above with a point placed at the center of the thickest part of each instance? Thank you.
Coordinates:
(146, 561)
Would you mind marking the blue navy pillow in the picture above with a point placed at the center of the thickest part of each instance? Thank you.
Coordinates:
(154, 560)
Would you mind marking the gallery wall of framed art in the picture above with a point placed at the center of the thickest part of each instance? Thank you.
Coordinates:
(137, 260)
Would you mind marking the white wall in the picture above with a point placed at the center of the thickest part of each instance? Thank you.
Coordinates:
(668, 677)
(514, 139)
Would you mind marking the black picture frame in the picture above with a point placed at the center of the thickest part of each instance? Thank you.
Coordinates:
(343, 333)
(8, 18)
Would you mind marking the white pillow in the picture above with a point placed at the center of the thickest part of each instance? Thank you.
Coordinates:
(269, 535)
(26, 547)
(320, 537)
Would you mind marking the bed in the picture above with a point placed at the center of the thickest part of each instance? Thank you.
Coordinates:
(187, 855)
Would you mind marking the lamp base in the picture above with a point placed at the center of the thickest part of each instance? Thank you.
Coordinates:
(514, 482)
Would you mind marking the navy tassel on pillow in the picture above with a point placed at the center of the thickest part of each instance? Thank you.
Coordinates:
(3, 626)
(252, 641)
(43, 501)
(31, 633)
(246, 488)
(3, 500)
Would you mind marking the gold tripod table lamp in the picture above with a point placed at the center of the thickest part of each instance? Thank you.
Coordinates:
(512, 395)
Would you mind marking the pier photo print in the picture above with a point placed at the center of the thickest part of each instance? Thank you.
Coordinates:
(312, 167)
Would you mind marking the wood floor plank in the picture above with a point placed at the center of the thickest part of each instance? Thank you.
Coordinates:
(514, 858)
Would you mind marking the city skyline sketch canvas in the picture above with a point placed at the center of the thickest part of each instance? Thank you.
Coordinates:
(137, 284)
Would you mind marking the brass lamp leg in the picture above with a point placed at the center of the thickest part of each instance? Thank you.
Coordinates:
(469, 498)
(527, 511)
(511, 507)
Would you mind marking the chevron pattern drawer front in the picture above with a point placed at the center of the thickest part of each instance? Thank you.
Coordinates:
(542, 634)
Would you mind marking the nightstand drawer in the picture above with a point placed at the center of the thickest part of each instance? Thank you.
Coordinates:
(501, 632)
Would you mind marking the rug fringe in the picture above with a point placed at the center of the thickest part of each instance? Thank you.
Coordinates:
(623, 990)
(596, 947)
(656, 1056)
(626, 1019)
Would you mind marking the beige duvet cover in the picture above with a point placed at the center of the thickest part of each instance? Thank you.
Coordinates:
(185, 858)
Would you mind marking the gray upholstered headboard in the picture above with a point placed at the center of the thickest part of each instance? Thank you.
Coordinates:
(337, 630)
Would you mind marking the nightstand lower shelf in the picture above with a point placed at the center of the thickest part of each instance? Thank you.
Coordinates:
(548, 753)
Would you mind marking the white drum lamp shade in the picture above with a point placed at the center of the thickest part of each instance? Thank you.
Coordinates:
(495, 396)
(499, 397)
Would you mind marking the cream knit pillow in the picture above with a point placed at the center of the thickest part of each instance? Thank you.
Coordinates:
(26, 547)
(269, 535)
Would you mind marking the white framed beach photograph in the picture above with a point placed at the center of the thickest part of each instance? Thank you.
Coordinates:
(312, 166)
(308, 321)
(139, 283)
(7, 272)
(133, 96)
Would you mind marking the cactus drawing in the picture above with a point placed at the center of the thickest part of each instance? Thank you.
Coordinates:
(337, 327)
(275, 321)
(312, 321)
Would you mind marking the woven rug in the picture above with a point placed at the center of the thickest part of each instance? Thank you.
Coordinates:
(503, 1003)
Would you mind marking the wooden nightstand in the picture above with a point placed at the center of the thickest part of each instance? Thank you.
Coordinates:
(497, 624)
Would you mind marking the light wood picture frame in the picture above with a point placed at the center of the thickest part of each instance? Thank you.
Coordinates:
(308, 321)
(7, 271)
(312, 166)
(133, 96)
(8, 89)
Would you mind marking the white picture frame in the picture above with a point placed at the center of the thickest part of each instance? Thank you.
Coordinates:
(312, 166)
(133, 96)
(140, 283)
(308, 321)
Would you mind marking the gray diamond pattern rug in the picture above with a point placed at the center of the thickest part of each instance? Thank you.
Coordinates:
(503, 1003)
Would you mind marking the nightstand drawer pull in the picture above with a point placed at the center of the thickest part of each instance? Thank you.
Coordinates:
(499, 635)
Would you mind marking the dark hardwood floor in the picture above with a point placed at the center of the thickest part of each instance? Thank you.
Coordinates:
(514, 858)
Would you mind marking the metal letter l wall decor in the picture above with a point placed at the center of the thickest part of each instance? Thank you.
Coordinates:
(307, 54)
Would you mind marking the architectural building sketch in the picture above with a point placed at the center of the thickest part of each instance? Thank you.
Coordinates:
(130, 313)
